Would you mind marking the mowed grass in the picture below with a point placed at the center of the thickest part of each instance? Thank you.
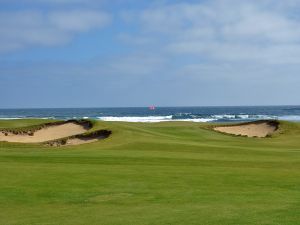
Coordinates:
(169, 173)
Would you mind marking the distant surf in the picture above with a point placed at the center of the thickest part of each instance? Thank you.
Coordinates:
(149, 119)
(210, 118)
(161, 114)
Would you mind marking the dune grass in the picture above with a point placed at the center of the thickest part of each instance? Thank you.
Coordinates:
(168, 173)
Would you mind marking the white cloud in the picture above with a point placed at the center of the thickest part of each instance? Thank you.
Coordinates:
(78, 20)
(227, 30)
(20, 29)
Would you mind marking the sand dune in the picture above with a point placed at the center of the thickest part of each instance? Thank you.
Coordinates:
(252, 129)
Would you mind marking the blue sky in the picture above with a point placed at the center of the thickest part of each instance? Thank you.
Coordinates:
(101, 53)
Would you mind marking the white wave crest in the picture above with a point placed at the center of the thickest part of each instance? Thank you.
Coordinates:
(199, 120)
(150, 119)
(145, 119)
(242, 117)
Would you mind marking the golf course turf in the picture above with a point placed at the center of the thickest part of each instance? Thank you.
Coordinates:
(168, 173)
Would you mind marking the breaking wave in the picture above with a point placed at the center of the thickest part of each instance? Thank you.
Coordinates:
(148, 119)
(196, 118)
(160, 114)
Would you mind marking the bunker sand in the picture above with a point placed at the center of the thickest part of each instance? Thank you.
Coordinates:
(252, 129)
(44, 134)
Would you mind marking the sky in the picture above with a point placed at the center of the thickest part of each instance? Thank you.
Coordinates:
(126, 53)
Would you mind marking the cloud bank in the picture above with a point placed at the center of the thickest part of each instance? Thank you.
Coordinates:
(227, 30)
(217, 52)
(30, 28)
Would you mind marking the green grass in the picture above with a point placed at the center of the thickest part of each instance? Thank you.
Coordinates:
(169, 173)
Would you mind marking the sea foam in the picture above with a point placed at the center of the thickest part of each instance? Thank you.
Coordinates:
(148, 119)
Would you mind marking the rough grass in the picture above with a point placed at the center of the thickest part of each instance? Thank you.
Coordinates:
(153, 174)
(24, 126)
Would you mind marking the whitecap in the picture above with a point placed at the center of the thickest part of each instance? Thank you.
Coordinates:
(146, 119)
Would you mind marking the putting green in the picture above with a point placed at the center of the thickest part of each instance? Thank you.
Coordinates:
(153, 174)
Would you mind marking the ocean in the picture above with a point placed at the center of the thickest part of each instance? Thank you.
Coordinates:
(143, 114)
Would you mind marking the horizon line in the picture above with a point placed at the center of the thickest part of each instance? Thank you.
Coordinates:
(112, 107)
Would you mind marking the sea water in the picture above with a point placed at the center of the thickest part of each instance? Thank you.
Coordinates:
(144, 114)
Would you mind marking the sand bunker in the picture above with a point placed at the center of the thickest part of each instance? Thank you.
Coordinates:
(45, 133)
(252, 129)
(55, 134)
(81, 138)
